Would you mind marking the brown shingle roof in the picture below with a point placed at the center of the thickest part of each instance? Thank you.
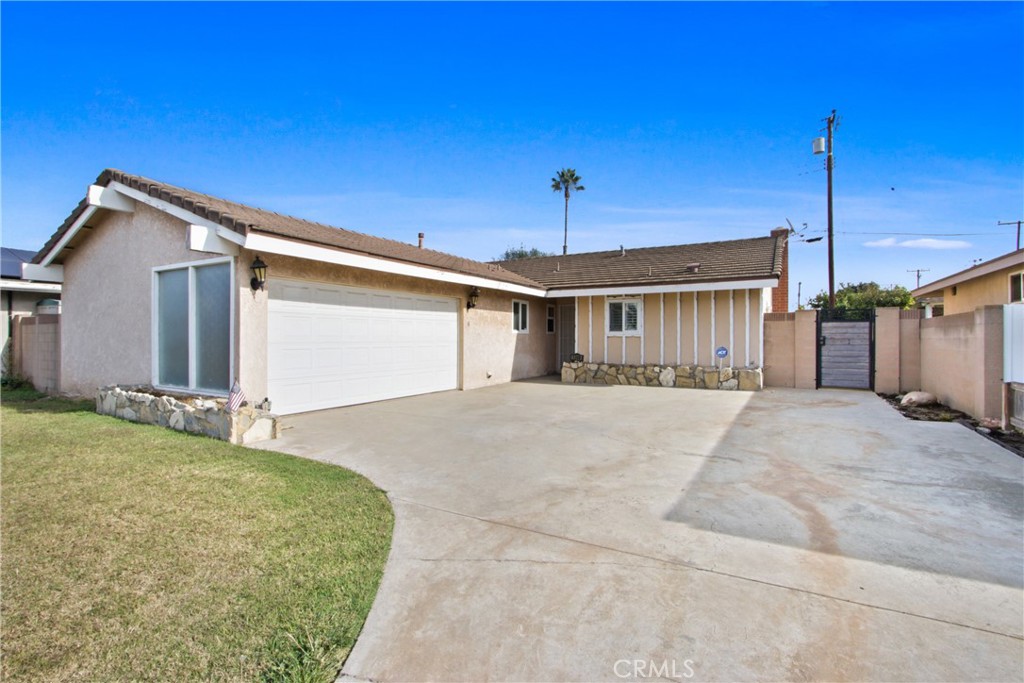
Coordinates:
(244, 219)
(747, 259)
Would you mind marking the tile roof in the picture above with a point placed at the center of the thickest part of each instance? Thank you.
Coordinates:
(244, 219)
(747, 259)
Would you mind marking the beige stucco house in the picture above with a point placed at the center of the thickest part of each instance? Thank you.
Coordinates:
(159, 290)
(993, 282)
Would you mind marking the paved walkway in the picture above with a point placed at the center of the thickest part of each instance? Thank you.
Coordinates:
(547, 532)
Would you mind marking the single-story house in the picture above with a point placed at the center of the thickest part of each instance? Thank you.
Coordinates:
(18, 296)
(161, 289)
(990, 283)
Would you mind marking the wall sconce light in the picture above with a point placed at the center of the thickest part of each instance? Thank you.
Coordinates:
(259, 274)
(474, 294)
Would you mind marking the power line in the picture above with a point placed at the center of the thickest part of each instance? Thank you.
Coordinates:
(1017, 223)
(919, 271)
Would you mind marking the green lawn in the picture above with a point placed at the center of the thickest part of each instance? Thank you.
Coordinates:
(133, 552)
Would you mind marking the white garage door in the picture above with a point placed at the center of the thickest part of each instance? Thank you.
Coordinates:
(332, 346)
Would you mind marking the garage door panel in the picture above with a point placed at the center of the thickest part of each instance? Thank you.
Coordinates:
(333, 346)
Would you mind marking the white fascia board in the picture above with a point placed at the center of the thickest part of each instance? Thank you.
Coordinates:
(178, 212)
(41, 273)
(68, 236)
(268, 244)
(656, 289)
(202, 238)
(22, 286)
(1010, 260)
(108, 198)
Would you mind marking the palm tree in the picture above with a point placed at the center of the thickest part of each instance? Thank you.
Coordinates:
(566, 181)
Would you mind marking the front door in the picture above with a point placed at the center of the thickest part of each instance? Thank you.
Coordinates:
(566, 331)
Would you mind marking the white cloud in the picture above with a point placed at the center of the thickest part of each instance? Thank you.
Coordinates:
(924, 243)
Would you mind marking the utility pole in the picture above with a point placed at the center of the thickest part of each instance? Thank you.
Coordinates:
(1017, 223)
(829, 163)
(918, 271)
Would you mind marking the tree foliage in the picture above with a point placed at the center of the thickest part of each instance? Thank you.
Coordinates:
(865, 295)
(519, 252)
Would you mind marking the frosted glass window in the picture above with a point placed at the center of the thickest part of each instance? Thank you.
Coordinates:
(213, 326)
(172, 327)
(193, 327)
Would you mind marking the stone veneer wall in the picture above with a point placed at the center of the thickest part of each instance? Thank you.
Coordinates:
(687, 376)
(209, 417)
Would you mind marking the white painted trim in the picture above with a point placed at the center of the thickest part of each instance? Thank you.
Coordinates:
(661, 357)
(103, 197)
(23, 286)
(268, 244)
(696, 302)
(576, 326)
(639, 331)
(203, 238)
(590, 329)
(732, 327)
(746, 328)
(193, 331)
(713, 323)
(179, 212)
(657, 289)
(760, 322)
(623, 338)
(89, 212)
(522, 318)
(679, 328)
(35, 271)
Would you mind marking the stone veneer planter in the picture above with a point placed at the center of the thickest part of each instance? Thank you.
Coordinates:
(686, 376)
(206, 416)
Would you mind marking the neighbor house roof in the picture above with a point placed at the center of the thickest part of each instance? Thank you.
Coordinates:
(756, 258)
(11, 260)
(244, 219)
(935, 289)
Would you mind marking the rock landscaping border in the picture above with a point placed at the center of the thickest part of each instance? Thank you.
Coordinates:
(681, 376)
(206, 416)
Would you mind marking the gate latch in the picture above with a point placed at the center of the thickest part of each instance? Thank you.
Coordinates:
(821, 340)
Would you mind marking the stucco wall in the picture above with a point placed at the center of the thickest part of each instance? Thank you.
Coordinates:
(16, 303)
(962, 359)
(987, 290)
(790, 350)
(491, 352)
(107, 297)
(677, 345)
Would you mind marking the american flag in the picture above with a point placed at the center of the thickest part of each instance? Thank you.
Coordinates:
(236, 398)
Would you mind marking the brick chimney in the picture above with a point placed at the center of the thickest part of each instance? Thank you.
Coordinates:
(780, 295)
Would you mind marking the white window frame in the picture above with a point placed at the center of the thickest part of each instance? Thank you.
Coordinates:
(551, 323)
(524, 316)
(155, 327)
(639, 316)
(1009, 284)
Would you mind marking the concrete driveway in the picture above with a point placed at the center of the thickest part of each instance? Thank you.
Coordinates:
(550, 532)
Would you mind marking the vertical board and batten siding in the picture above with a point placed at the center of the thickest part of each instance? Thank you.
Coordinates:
(677, 329)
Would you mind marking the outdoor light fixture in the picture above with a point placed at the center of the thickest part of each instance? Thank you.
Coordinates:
(259, 274)
(474, 294)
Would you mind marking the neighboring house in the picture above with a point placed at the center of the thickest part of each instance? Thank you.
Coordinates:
(997, 281)
(18, 296)
(157, 292)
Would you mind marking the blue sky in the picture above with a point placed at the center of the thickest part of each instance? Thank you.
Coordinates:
(687, 121)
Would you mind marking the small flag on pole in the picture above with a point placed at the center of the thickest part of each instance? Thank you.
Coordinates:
(236, 398)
